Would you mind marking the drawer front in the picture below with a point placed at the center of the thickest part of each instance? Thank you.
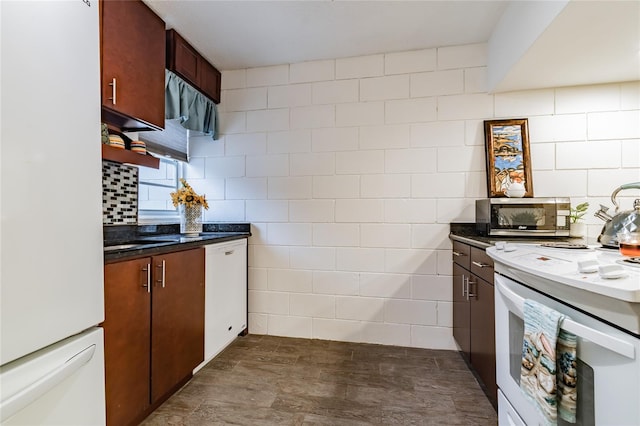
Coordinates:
(481, 264)
(461, 254)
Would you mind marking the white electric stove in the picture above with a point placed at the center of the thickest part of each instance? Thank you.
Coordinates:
(555, 271)
(602, 306)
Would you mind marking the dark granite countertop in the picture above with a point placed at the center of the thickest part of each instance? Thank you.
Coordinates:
(129, 242)
(466, 233)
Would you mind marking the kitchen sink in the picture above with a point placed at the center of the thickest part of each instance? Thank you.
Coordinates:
(121, 247)
(136, 244)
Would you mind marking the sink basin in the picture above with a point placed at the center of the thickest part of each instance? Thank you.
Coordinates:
(135, 244)
(121, 246)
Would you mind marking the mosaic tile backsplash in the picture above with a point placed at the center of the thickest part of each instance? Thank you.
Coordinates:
(119, 194)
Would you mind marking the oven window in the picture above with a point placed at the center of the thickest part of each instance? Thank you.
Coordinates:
(585, 412)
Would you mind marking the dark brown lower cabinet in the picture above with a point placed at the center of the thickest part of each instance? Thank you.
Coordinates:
(483, 342)
(473, 313)
(154, 330)
(461, 310)
(127, 338)
(177, 319)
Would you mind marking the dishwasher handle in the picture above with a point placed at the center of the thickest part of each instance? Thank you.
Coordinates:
(516, 305)
(30, 393)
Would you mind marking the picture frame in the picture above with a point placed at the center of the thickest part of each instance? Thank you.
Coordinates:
(508, 155)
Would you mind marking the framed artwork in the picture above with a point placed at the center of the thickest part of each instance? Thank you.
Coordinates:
(508, 157)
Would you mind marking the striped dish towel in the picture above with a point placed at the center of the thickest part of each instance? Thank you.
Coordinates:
(548, 363)
(567, 376)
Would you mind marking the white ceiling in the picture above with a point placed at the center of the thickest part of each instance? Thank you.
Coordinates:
(247, 34)
(589, 42)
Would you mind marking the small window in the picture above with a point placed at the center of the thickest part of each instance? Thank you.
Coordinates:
(154, 188)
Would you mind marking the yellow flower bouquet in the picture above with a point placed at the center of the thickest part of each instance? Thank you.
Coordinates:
(188, 197)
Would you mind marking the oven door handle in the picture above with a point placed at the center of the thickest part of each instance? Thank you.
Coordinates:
(516, 304)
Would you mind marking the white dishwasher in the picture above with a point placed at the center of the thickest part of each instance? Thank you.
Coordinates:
(225, 312)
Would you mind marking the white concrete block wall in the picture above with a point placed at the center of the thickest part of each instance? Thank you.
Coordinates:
(351, 170)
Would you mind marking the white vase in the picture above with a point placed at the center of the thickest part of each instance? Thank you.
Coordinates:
(190, 219)
(576, 229)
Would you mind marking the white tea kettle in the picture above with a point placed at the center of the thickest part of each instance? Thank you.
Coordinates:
(626, 221)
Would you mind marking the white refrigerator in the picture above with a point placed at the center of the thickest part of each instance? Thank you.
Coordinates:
(51, 260)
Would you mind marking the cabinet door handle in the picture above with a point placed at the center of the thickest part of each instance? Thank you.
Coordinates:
(161, 280)
(148, 271)
(480, 264)
(457, 253)
(113, 90)
(464, 287)
(469, 294)
(227, 253)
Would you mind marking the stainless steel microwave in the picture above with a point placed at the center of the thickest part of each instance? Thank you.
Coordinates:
(535, 217)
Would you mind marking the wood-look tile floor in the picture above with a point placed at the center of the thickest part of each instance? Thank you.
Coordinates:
(266, 380)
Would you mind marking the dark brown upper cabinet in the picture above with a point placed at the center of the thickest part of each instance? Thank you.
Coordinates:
(186, 62)
(132, 65)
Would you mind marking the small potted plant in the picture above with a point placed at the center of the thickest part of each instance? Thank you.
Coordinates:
(576, 226)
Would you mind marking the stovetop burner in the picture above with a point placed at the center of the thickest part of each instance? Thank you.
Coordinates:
(631, 261)
(564, 245)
